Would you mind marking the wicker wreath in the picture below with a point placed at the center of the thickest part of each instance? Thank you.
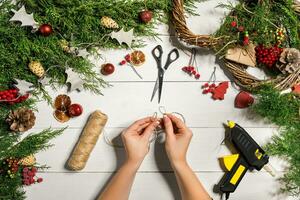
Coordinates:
(241, 76)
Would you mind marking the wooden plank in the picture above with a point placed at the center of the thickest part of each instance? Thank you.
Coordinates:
(127, 102)
(205, 150)
(148, 186)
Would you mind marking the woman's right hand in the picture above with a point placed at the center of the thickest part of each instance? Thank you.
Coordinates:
(178, 138)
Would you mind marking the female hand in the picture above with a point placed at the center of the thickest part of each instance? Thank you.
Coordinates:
(136, 139)
(178, 138)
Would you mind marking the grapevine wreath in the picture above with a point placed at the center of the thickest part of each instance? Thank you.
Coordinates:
(262, 10)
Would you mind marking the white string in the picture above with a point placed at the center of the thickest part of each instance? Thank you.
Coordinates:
(157, 131)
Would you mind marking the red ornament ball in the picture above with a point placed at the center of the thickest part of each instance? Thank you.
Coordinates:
(45, 30)
(75, 110)
(146, 16)
(107, 69)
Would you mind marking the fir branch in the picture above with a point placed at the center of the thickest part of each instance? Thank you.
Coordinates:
(34, 143)
(283, 110)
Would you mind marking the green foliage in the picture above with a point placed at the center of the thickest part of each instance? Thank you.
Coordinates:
(261, 21)
(283, 110)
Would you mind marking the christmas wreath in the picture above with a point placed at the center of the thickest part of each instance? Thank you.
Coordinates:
(263, 34)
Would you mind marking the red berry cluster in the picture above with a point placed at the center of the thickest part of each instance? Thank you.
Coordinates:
(208, 88)
(28, 176)
(191, 71)
(11, 96)
(127, 59)
(268, 56)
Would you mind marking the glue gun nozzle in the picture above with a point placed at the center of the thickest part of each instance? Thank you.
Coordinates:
(230, 124)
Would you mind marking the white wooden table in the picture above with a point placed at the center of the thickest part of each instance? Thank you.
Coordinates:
(128, 100)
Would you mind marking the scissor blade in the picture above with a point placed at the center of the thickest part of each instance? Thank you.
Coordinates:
(132, 67)
(160, 80)
(155, 89)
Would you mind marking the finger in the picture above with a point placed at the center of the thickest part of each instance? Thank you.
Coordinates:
(150, 129)
(140, 122)
(178, 122)
(142, 127)
(168, 127)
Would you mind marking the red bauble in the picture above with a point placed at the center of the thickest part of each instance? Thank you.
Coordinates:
(145, 16)
(46, 30)
(75, 110)
(107, 69)
(243, 100)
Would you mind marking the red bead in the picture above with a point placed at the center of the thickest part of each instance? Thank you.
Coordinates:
(197, 76)
(194, 72)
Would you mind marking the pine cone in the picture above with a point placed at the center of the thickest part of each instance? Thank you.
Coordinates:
(64, 44)
(289, 61)
(28, 160)
(108, 22)
(21, 120)
(36, 68)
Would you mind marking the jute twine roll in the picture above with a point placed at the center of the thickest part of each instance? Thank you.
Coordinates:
(87, 140)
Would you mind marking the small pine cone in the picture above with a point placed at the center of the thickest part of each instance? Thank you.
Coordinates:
(290, 55)
(108, 22)
(28, 161)
(21, 120)
(289, 61)
(64, 44)
(37, 68)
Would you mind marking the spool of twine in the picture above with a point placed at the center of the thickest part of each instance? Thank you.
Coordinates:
(87, 140)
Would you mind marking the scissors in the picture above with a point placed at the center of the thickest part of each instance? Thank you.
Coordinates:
(157, 54)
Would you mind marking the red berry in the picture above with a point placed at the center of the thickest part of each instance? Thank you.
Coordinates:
(107, 69)
(205, 91)
(212, 85)
(128, 58)
(75, 110)
(197, 76)
(194, 72)
(33, 169)
(145, 16)
(39, 180)
(123, 62)
(25, 169)
(241, 29)
(233, 23)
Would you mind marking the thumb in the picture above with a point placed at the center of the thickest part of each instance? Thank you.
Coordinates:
(150, 129)
(168, 127)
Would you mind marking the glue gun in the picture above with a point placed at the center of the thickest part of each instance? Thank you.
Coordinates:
(251, 156)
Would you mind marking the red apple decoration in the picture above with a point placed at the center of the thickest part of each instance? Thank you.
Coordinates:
(75, 110)
(243, 100)
(107, 69)
(45, 30)
(145, 16)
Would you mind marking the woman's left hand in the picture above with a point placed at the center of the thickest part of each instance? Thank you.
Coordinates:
(136, 139)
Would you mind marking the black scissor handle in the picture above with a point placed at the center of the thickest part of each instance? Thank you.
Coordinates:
(170, 59)
(157, 54)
